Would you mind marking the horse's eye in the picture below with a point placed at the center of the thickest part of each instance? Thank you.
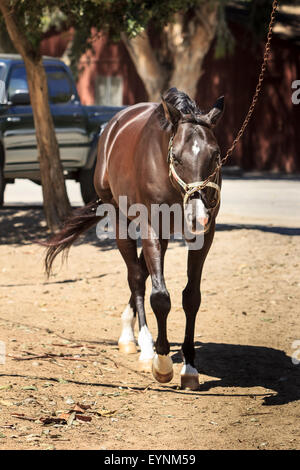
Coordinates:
(176, 159)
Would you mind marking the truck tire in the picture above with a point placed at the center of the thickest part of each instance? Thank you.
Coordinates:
(86, 180)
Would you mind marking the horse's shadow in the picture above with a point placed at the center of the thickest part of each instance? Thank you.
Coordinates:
(248, 366)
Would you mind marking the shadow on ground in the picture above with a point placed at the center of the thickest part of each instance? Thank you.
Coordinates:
(291, 231)
(234, 365)
(24, 225)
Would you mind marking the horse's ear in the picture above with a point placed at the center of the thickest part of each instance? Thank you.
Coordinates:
(172, 114)
(216, 111)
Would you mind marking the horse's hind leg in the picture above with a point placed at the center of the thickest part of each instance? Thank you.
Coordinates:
(137, 275)
(127, 341)
(145, 340)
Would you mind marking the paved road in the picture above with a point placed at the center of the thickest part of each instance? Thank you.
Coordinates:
(248, 200)
(261, 201)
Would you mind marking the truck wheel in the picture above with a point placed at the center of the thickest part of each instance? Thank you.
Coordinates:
(86, 180)
(2, 185)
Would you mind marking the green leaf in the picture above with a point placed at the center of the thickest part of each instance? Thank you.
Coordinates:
(29, 387)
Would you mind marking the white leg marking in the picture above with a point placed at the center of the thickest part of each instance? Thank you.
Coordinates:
(189, 377)
(145, 342)
(162, 368)
(163, 364)
(128, 322)
(187, 369)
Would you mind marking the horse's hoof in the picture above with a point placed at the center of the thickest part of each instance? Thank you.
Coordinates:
(162, 368)
(190, 381)
(145, 365)
(189, 378)
(127, 348)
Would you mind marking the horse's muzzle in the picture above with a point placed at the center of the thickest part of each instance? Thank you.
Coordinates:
(196, 215)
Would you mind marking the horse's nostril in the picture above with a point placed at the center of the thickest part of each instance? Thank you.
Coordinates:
(195, 195)
(204, 221)
(200, 223)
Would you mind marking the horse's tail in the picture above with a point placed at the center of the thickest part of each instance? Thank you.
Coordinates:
(77, 223)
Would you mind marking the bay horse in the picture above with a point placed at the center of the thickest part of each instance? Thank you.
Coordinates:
(156, 153)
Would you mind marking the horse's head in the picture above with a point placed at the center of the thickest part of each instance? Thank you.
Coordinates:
(193, 156)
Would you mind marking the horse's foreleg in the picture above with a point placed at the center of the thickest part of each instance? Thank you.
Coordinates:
(191, 300)
(154, 252)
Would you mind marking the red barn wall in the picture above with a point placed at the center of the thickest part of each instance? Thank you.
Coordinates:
(272, 140)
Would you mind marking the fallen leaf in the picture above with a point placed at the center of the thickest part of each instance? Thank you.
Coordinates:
(53, 420)
(80, 408)
(64, 416)
(47, 384)
(71, 419)
(80, 417)
(71, 416)
(6, 387)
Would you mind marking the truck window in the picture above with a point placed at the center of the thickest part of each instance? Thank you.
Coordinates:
(60, 86)
(17, 80)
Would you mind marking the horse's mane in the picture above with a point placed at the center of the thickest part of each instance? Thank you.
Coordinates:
(180, 101)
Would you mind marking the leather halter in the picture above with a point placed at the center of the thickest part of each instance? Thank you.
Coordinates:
(189, 188)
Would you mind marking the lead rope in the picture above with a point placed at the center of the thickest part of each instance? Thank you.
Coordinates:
(255, 96)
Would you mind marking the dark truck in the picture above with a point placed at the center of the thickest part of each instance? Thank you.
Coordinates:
(77, 126)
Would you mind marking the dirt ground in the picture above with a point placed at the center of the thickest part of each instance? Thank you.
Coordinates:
(64, 384)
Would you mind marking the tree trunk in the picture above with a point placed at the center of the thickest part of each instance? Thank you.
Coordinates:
(188, 39)
(56, 202)
(189, 42)
(146, 64)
